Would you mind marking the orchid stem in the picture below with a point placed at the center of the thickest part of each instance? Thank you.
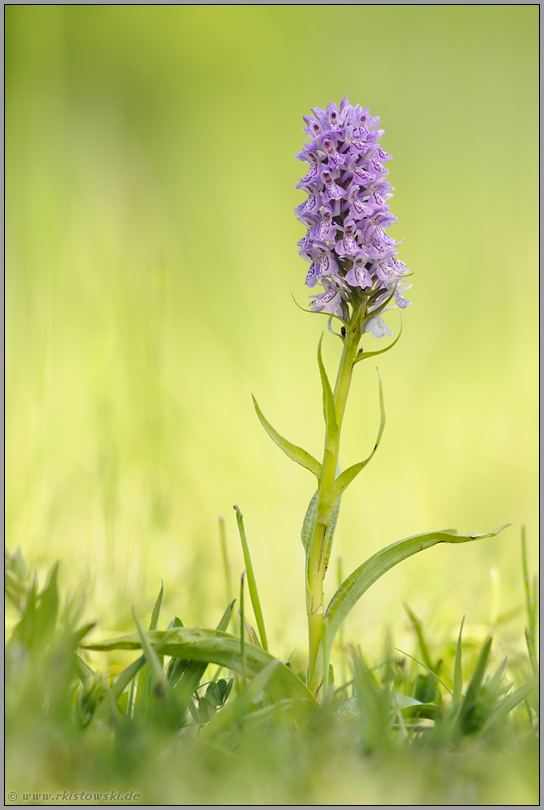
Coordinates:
(316, 565)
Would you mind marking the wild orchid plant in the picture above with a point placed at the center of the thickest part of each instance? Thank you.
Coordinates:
(354, 261)
(353, 258)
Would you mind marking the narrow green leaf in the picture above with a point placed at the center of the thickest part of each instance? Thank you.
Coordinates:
(176, 666)
(376, 566)
(308, 527)
(365, 355)
(242, 626)
(525, 568)
(295, 453)
(409, 706)
(238, 708)
(329, 534)
(344, 479)
(374, 707)
(39, 617)
(334, 493)
(225, 558)
(531, 606)
(126, 677)
(193, 671)
(458, 669)
(78, 635)
(252, 636)
(477, 679)
(49, 602)
(131, 700)
(225, 618)
(151, 659)
(347, 709)
(511, 701)
(420, 637)
(429, 670)
(83, 670)
(157, 609)
(329, 410)
(493, 687)
(252, 584)
(213, 646)
(468, 704)
(143, 684)
(309, 522)
(132, 670)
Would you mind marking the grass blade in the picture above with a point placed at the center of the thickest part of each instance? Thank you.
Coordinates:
(238, 708)
(142, 685)
(466, 710)
(225, 558)
(126, 677)
(511, 701)
(252, 584)
(420, 637)
(374, 707)
(83, 670)
(176, 667)
(242, 626)
(295, 453)
(154, 667)
(156, 612)
(531, 605)
(431, 671)
(458, 670)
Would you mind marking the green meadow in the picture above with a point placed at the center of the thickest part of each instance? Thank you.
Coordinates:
(152, 277)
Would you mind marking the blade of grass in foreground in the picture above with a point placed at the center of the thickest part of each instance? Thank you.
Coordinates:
(511, 701)
(531, 605)
(142, 685)
(225, 558)
(458, 669)
(251, 582)
(238, 708)
(213, 646)
(194, 671)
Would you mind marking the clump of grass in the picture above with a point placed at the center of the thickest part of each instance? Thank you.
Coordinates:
(437, 725)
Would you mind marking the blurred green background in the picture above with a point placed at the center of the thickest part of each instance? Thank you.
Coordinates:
(151, 262)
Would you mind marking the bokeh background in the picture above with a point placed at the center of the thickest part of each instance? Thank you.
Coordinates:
(151, 264)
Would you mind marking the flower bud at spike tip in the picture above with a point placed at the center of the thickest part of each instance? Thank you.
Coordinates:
(347, 209)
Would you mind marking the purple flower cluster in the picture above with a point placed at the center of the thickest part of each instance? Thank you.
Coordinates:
(345, 213)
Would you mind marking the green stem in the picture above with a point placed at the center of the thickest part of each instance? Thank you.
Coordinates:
(315, 572)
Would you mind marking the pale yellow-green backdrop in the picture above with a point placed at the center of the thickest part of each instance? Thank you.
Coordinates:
(151, 262)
